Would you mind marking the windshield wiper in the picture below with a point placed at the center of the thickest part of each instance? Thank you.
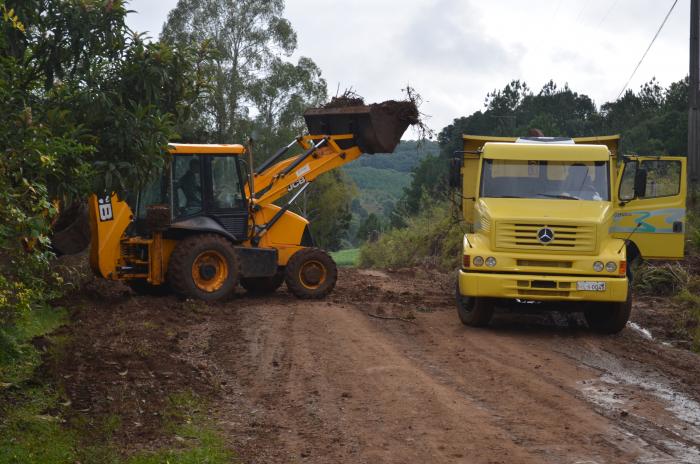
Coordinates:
(560, 196)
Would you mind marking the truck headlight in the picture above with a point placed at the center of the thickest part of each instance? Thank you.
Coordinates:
(491, 261)
(598, 266)
(478, 261)
(610, 266)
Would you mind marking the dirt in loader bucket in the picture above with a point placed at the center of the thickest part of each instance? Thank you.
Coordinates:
(377, 127)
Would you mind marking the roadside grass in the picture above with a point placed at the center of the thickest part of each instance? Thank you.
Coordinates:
(37, 425)
(665, 279)
(346, 258)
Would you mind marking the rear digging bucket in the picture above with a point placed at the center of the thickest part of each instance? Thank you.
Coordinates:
(377, 128)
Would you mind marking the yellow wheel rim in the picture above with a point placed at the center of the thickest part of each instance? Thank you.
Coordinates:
(209, 271)
(312, 274)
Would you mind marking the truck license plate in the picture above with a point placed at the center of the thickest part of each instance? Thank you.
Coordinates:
(591, 286)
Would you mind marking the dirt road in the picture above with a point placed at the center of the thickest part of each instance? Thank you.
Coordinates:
(383, 372)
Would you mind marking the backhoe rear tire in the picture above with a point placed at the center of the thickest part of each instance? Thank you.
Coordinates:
(262, 285)
(474, 311)
(609, 318)
(204, 267)
(311, 274)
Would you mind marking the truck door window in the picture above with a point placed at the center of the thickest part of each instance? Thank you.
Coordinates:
(627, 182)
(663, 178)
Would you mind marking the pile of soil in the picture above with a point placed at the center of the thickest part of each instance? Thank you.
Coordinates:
(344, 101)
(405, 110)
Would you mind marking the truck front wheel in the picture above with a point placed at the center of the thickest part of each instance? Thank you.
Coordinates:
(609, 318)
(474, 311)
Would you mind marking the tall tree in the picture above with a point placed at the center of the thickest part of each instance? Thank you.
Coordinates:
(252, 85)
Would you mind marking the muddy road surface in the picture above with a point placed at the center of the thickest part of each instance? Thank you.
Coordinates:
(383, 372)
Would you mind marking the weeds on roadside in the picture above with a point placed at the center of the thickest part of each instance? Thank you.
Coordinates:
(431, 238)
(661, 279)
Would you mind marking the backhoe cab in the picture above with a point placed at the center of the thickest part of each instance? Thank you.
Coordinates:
(199, 228)
(563, 220)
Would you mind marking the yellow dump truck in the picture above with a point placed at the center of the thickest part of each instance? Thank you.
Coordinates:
(563, 220)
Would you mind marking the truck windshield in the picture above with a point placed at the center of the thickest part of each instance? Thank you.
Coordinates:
(569, 180)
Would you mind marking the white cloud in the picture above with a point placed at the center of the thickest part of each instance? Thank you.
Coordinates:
(455, 51)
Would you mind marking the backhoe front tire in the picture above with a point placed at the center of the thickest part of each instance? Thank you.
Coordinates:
(260, 286)
(474, 311)
(311, 274)
(204, 267)
(609, 318)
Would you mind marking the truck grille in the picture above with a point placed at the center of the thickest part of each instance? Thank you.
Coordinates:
(521, 235)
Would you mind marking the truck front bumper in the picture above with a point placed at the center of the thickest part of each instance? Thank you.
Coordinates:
(541, 287)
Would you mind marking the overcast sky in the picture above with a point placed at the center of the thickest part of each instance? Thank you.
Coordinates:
(455, 51)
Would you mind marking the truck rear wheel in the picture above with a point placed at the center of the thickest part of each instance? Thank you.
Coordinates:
(474, 311)
(205, 267)
(311, 274)
(609, 318)
(262, 285)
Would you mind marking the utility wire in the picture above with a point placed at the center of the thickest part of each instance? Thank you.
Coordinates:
(648, 48)
(612, 7)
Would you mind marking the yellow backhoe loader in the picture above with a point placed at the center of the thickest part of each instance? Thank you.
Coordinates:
(208, 222)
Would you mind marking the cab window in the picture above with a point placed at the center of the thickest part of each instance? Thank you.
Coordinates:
(574, 180)
(187, 185)
(227, 192)
(663, 178)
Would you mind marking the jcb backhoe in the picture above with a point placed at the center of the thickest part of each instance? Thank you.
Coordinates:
(208, 222)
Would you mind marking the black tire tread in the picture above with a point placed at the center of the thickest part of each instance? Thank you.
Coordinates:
(179, 267)
(480, 313)
(295, 263)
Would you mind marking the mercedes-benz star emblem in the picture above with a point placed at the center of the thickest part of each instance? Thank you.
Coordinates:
(545, 235)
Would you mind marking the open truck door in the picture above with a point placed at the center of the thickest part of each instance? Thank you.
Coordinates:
(650, 206)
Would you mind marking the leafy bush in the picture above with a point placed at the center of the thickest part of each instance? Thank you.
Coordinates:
(433, 237)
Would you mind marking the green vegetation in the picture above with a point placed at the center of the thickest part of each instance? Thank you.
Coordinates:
(666, 279)
(431, 238)
(39, 431)
(381, 180)
(346, 258)
(37, 425)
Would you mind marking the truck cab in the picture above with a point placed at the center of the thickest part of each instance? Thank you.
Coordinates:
(563, 220)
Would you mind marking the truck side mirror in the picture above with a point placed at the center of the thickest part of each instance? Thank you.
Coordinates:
(640, 183)
(455, 178)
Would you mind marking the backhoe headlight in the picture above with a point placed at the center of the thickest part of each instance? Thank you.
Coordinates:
(478, 261)
(610, 266)
(598, 266)
(491, 261)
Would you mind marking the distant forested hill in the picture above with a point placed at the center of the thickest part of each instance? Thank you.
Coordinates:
(381, 178)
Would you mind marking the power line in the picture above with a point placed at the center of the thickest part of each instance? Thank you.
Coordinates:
(607, 14)
(648, 48)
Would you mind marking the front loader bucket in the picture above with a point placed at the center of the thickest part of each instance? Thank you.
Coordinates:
(377, 128)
